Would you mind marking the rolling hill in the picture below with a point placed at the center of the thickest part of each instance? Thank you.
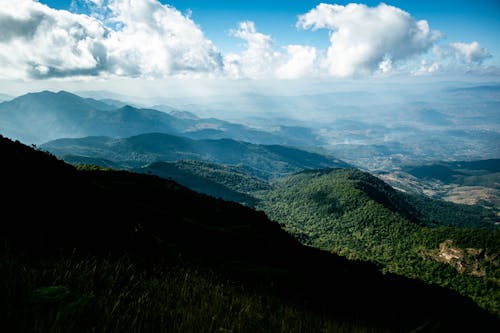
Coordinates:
(78, 219)
(219, 181)
(261, 160)
(468, 182)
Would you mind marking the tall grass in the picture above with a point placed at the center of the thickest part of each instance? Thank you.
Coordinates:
(98, 295)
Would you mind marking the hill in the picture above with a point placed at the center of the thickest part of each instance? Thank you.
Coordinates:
(44, 116)
(468, 182)
(91, 255)
(220, 181)
(357, 215)
(261, 160)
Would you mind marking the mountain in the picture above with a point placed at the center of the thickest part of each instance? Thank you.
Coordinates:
(432, 118)
(359, 216)
(467, 182)
(456, 171)
(112, 231)
(44, 116)
(261, 160)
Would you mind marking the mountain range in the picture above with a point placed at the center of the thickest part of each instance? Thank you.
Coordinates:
(261, 160)
(72, 218)
(44, 116)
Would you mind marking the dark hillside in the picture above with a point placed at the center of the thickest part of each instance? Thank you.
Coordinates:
(51, 210)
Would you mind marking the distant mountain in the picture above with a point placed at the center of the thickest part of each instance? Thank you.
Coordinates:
(183, 114)
(467, 173)
(487, 89)
(438, 172)
(142, 224)
(45, 116)
(432, 117)
(261, 160)
(115, 103)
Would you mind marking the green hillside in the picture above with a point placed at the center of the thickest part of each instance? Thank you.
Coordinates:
(104, 250)
(264, 161)
(220, 181)
(357, 215)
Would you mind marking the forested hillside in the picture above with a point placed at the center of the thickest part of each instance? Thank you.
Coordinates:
(266, 161)
(357, 215)
(107, 250)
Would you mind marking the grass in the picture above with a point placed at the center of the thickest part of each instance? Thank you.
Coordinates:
(95, 294)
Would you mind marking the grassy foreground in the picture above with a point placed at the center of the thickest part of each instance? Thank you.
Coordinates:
(95, 294)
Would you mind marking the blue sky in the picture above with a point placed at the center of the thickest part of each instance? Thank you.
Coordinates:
(460, 20)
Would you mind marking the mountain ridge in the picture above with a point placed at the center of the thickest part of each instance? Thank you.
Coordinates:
(264, 160)
(44, 116)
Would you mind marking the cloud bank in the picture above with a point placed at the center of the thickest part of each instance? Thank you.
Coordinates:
(145, 38)
(133, 38)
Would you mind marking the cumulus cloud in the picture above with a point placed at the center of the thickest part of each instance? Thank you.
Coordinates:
(299, 61)
(145, 38)
(156, 39)
(470, 53)
(136, 38)
(260, 59)
(364, 40)
(38, 41)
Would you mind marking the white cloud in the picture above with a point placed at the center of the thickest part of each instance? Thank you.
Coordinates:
(157, 40)
(427, 67)
(261, 60)
(300, 61)
(364, 40)
(470, 53)
(258, 59)
(145, 38)
(38, 41)
(148, 39)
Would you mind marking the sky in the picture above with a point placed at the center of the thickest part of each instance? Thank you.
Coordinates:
(56, 42)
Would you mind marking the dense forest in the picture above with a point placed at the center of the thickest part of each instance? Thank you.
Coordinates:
(354, 214)
(103, 250)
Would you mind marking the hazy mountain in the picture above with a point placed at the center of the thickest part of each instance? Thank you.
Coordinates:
(261, 160)
(116, 103)
(145, 225)
(40, 117)
(44, 116)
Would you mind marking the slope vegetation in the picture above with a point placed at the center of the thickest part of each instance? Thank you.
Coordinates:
(90, 254)
(357, 215)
